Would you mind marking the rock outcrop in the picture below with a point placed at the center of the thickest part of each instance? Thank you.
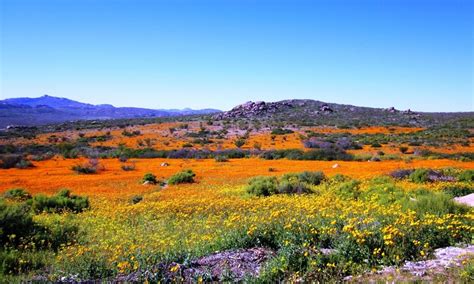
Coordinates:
(252, 109)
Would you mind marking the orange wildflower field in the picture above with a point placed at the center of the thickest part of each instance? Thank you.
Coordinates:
(122, 216)
(112, 182)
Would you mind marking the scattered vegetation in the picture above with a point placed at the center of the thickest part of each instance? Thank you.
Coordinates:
(149, 178)
(319, 228)
(63, 201)
(288, 184)
(186, 176)
(91, 167)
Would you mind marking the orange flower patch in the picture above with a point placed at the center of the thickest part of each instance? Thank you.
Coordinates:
(112, 182)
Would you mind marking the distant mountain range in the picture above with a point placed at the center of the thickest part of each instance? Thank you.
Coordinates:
(49, 109)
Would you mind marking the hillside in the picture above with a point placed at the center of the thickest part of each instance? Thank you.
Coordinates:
(312, 112)
(48, 110)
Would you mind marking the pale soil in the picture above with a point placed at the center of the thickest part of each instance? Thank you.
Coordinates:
(467, 200)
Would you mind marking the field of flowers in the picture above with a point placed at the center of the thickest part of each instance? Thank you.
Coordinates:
(127, 216)
(365, 218)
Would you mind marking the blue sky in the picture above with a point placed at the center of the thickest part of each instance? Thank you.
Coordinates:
(175, 54)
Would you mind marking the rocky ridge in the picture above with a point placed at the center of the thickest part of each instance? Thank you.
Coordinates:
(261, 108)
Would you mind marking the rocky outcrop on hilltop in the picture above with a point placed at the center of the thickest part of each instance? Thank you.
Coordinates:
(262, 109)
(251, 109)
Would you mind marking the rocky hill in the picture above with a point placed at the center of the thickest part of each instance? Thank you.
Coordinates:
(312, 112)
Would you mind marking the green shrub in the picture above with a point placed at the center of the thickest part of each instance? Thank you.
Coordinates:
(467, 176)
(458, 190)
(17, 194)
(340, 178)
(262, 186)
(186, 176)
(435, 203)
(149, 178)
(292, 187)
(281, 131)
(293, 183)
(16, 223)
(239, 142)
(61, 202)
(136, 199)
(403, 149)
(376, 145)
(314, 178)
(348, 189)
(84, 169)
(419, 176)
(15, 262)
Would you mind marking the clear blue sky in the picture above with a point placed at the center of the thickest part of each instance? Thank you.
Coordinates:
(175, 54)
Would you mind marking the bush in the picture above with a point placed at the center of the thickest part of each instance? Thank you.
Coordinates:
(239, 142)
(9, 161)
(15, 262)
(427, 175)
(348, 189)
(186, 176)
(293, 186)
(17, 194)
(436, 203)
(458, 190)
(403, 149)
(262, 186)
(91, 167)
(314, 178)
(84, 169)
(149, 178)
(134, 133)
(17, 220)
(221, 159)
(127, 168)
(467, 176)
(295, 154)
(24, 164)
(136, 199)
(281, 131)
(233, 153)
(288, 184)
(61, 202)
(376, 145)
(419, 175)
(327, 155)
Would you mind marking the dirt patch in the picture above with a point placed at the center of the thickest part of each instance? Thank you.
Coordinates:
(234, 265)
